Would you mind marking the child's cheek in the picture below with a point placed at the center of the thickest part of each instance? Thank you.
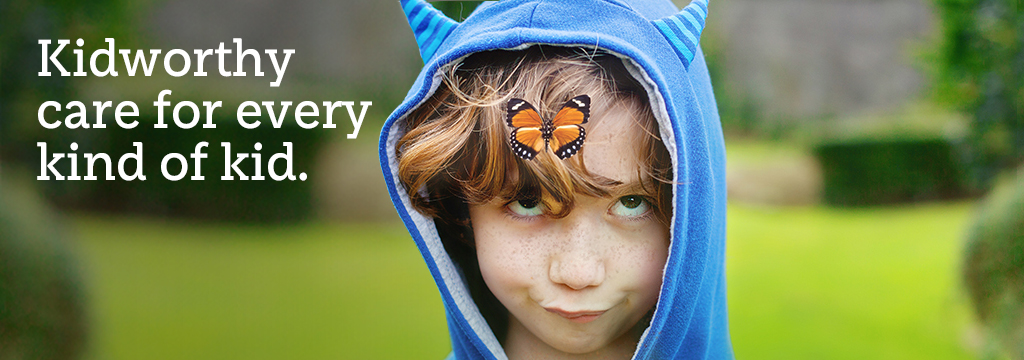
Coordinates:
(636, 263)
(650, 259)
(507, 253)
(650, 265)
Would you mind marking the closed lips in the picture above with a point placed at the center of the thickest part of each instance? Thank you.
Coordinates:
(577, 316)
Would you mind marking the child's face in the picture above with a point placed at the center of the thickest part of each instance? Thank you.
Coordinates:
(580, 283)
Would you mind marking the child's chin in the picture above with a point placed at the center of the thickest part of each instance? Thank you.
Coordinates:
(574, 341)
(578, 346)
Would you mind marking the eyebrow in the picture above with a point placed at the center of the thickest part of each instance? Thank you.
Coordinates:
(626, 188)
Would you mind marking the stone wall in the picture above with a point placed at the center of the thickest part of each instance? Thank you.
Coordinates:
(799, 59)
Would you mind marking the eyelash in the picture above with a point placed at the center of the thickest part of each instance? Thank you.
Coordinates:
(511, 214)
(647, 215)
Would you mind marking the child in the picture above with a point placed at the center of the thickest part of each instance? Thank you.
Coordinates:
(560, 166)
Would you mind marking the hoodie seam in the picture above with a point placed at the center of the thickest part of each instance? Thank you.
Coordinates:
(532, 13)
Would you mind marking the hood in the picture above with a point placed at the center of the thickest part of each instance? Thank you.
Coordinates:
(658, 43)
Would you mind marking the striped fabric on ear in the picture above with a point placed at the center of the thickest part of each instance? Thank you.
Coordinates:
(683, 29)
(429, 25)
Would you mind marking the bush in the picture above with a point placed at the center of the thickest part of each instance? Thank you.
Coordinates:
(994, 267)
(41, 309)
(873, 171)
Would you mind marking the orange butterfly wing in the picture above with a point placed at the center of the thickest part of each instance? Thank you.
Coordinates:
(575, 111)
(567, 140)
(527, 137)
(567, 136)
(527, 142)
(522, 114)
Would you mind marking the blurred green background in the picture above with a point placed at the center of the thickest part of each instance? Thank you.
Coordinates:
(861, 136)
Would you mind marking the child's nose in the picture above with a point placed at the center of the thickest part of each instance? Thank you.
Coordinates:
(577, 264)
(577, 273)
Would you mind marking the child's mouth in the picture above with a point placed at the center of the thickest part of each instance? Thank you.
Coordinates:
(580, 317)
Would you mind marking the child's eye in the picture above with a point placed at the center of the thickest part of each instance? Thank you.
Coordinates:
(631, 206)
(526, 207)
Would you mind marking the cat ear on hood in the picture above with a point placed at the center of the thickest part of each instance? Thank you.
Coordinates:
(429, 25)
(684, 28)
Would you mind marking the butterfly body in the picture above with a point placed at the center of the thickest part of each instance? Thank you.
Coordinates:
(563, 134)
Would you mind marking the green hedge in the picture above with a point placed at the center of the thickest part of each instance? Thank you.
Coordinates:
(236, 200)
(885, 171)
(994, 267)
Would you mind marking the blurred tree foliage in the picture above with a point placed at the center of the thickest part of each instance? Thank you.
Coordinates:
(22, 24)
(457, 10)
(979, 70)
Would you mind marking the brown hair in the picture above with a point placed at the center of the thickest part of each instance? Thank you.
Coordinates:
(456, 144)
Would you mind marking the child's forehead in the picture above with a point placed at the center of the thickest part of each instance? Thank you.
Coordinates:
(612, 147)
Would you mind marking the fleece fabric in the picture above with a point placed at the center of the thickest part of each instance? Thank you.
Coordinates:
(659, 45)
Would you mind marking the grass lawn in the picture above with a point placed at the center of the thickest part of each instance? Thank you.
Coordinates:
(804, 283)
(819, 283)
(195, 291)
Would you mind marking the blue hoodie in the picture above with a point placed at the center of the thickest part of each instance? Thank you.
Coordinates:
(659, 45)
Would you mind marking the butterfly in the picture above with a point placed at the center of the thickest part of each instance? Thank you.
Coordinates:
(531, 134)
